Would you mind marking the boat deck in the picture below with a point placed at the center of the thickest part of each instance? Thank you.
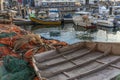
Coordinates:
(77, 63)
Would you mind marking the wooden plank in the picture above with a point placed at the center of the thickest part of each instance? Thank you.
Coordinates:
(111, 65)
(62, 54)
(47, 66)
(59, 54)
(93, 71)
(36, 69)
(76, 66)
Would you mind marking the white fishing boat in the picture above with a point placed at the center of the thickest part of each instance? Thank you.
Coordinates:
(83, 19)
(105, 22)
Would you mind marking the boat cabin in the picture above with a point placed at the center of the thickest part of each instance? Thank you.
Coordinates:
(83, 19)
(42, 14)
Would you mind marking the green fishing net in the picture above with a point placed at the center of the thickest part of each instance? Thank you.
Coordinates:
(1, 45)
(4, 34)
(118, 77)
(17, 69)
(2, 71)
(26, 74)
(13, 64)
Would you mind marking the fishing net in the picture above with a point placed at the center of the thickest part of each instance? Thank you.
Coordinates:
(1, 45)
(4, 50)
(4, 34)
(2, 71)
(17, 69)
(118, 77)
(14, 64)
(6, 77)
(26, 74)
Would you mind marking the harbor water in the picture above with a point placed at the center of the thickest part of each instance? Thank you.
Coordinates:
(71, 35)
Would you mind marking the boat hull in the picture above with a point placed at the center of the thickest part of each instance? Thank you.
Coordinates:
(80, 22)
(104, 23)
(81, 61)
(45, 22)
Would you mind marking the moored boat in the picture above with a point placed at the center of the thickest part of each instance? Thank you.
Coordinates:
(45, 18)
(45, 21)
(79, 61)
(105, 22)
(83, 19)
(108, 21)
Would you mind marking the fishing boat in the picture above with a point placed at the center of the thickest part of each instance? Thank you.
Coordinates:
(83, 19)
(45, 21)
(105, 22)
(79, 61)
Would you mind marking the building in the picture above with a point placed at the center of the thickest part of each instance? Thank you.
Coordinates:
(63, 6)
(60, 4)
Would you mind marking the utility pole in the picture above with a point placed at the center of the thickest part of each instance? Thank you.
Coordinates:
(1, 4)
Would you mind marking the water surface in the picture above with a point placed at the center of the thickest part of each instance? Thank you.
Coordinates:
(72, 35)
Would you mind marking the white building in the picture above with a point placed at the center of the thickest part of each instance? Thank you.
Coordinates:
(38, 2)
